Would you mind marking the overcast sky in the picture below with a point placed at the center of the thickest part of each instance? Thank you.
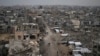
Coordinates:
(51, 2)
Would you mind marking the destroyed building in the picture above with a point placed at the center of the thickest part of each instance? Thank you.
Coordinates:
(26, 37)
(4, 25)
(96, 47)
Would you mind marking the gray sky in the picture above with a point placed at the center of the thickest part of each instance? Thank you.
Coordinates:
(51, 2)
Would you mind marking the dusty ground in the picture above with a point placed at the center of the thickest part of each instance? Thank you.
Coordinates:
(4, 36)
(51, 47)
(64, 50)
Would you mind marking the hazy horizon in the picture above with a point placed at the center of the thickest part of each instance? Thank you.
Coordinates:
(50, 2)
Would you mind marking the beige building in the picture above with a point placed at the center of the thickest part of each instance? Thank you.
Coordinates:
(27, 31)
(76, 23)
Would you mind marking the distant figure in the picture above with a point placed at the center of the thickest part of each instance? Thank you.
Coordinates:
(49, 44)
(57, 53)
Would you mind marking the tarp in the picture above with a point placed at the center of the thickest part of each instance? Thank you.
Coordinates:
(71, 42)
(85, 50)
(78, 43)
(57, 31)
(77, 55)
(65, 34)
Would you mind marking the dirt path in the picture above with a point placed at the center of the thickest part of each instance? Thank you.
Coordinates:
(50, 45)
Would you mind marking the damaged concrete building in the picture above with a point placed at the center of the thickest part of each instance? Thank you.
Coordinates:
(25, 41)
